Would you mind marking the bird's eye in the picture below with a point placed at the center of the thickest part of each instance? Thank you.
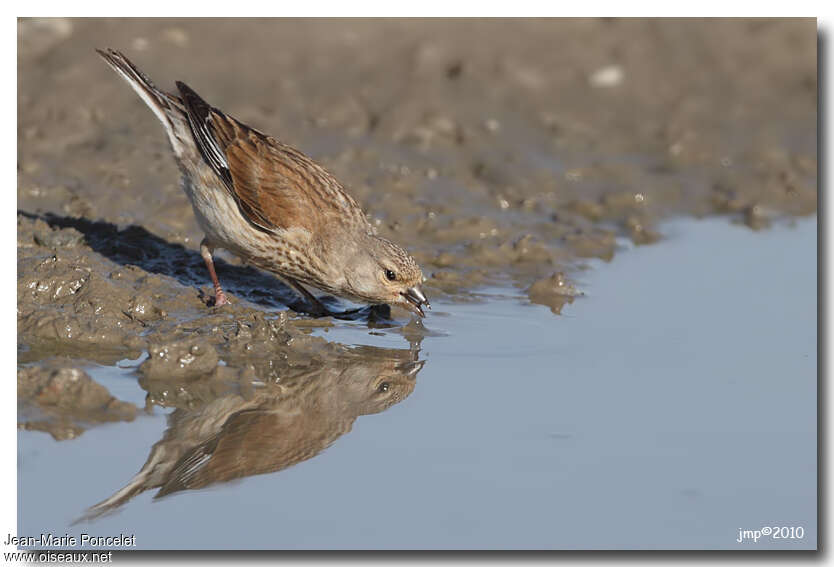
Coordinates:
(390, 275)
(383, 387)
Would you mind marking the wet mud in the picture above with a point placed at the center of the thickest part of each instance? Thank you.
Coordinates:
(62, 401)
(496, 151)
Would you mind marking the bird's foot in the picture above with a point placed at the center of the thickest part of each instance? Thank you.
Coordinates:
(221, 299)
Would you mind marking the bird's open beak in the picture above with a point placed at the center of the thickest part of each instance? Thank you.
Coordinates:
(415, 299)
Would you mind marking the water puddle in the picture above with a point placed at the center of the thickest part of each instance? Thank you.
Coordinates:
(669, 407)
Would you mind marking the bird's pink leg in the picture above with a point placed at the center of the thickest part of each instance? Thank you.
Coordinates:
(205, 251)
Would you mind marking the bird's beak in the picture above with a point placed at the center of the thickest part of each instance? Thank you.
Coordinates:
(410, 369)
(415, 299)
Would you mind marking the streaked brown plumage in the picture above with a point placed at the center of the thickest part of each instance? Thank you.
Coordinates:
(271, 205)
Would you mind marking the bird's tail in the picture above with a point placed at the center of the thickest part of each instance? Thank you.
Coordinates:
(168, 108)
(161, 103)
(134, 487)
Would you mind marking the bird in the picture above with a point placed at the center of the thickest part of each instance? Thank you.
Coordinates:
(272, 206)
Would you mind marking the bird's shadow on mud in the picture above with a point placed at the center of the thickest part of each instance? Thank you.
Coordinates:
(135, 245)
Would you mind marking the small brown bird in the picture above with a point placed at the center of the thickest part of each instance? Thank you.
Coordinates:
(274, 207)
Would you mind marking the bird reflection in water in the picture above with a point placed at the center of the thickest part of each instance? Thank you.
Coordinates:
(275, 426)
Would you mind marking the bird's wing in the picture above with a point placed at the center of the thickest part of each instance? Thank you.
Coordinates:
(275, 185)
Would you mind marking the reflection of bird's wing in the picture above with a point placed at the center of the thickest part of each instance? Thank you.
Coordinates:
(252, 442)
(189, 465)
(275, 185)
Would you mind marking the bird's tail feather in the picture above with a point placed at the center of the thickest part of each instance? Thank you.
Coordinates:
(108, 505)
(157, 100)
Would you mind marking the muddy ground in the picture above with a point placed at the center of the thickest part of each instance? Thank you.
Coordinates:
(497, 151)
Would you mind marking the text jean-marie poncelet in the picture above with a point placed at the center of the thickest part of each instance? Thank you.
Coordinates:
(84, 540)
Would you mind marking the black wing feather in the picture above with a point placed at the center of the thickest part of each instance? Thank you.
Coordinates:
(199, 120)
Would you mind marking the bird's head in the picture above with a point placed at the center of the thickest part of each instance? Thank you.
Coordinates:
(383, 272)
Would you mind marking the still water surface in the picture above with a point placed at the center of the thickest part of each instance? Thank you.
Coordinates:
(671, 406)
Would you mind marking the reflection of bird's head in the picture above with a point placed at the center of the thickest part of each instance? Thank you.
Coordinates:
(372, 388)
